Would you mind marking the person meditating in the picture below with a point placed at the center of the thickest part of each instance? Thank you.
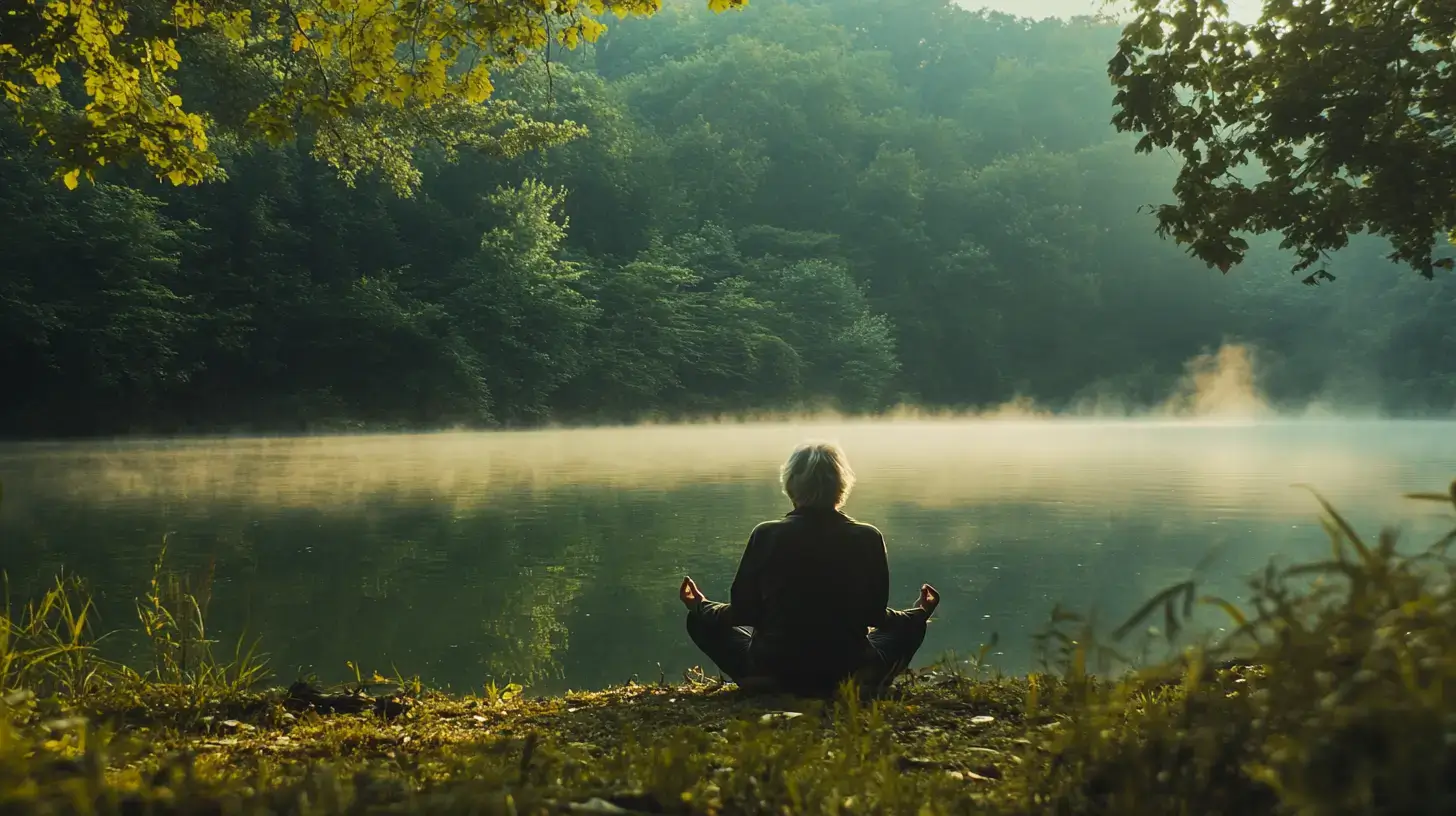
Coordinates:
(809, 605)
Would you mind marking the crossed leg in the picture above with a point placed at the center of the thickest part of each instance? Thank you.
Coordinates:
(891, 648)
(728, 648)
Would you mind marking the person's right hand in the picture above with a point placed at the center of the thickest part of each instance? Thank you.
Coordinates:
(689, 593)
(929, 599)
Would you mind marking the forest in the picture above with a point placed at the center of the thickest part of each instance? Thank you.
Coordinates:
(822, 204)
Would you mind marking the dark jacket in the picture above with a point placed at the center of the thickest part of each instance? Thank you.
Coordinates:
(811, 585)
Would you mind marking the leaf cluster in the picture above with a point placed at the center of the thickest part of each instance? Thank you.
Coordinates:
(1319, 121)
(97, 81)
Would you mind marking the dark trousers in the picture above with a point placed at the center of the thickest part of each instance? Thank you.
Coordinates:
(889, 653)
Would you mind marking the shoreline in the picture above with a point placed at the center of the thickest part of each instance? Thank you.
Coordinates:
(1339, 704)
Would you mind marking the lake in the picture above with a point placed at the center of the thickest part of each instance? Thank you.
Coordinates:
(554, 556)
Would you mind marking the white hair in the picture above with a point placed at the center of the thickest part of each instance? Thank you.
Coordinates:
(817, 474)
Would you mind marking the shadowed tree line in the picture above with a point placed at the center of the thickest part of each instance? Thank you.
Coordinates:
(808, 204)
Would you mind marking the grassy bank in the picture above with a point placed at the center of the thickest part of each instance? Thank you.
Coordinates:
(1334, 694)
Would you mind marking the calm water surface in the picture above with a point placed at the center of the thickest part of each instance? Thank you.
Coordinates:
(554, 556)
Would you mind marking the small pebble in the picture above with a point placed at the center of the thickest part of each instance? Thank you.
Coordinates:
(595, 806)
(980, 778)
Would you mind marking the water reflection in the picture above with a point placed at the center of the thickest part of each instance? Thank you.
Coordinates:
(554, 556)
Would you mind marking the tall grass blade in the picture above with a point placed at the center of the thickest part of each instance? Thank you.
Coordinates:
(1162, 599)
(1228, 608)
(1350, 534)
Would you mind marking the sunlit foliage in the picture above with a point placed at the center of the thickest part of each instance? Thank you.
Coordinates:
(97, 80)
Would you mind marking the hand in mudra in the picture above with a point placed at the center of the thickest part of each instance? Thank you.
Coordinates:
(929, 599)
(689, 593)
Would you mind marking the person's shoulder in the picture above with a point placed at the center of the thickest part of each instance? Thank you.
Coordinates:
(767, 526)
(867, 531)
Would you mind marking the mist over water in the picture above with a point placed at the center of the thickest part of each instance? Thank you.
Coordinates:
(553, 555)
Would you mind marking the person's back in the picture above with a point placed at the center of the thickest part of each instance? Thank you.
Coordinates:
(811, 586)
(809, 589)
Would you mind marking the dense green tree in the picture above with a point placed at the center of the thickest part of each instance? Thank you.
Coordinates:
(87, 308)
(513, 302)
(1318, 122)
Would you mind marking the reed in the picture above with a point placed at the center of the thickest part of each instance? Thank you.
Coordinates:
(173, 616)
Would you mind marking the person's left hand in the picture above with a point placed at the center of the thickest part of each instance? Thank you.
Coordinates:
(929, 599)
(689, 593)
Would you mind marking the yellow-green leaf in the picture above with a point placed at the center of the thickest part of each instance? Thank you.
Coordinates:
(46, 76)
(592, 30)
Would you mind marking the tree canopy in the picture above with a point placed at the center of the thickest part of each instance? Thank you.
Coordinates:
(848, 204)
(98, 80)
(1320, 121)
